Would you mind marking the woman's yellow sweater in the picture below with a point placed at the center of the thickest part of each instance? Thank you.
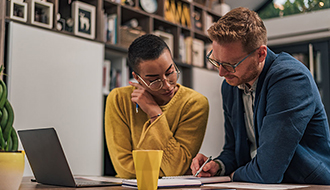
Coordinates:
(179, 131)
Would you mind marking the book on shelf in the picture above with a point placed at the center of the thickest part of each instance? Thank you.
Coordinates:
(170, 10)
(198, 52)
(118, 79)
(163, 182)
(167, 37)
(182, 49)
(106, 76)
(188, 45)
(186, 15)
(111, 29)
(115, 80)
(208, 22)
(177, 12)
(203, 180)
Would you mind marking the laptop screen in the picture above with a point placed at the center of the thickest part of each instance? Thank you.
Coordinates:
(46, 157)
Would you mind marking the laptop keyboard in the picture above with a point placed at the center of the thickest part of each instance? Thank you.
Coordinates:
(86, 182)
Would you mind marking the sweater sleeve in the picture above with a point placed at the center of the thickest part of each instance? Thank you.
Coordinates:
(181, 145)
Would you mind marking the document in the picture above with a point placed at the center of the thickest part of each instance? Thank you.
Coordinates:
(203, 180)
(255, 186)
(166, 182)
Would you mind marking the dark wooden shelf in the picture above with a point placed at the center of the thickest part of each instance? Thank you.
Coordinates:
(147, 22)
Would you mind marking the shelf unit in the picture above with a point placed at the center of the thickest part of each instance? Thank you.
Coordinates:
(199, 11)
(147, 22)
(157, 21)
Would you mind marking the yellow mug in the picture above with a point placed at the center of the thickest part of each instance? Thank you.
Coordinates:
(147, 166)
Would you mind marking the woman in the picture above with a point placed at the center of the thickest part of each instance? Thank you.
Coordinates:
(155, 113)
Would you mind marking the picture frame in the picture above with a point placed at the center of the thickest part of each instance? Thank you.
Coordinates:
(42, 13)
(18, 10)
(83, 15)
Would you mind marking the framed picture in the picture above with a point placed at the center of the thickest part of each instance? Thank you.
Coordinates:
(18, 10)
(42, 13)
(84, 19)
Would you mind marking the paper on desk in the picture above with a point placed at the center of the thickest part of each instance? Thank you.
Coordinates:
(204, 180)
(254, 186)
(102, 178)
(166, 182)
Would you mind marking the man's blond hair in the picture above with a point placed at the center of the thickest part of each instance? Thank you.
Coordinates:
(240, 24)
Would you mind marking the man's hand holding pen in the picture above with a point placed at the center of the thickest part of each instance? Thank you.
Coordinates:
(201, 168)
(209, 169)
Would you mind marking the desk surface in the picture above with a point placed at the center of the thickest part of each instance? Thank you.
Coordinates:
(28, 185)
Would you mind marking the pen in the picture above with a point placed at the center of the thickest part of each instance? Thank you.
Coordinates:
(201, 168)
(137, 108)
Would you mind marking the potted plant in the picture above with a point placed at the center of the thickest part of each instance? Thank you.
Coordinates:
(11, 160)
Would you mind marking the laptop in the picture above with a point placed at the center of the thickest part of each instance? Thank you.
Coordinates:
(48, 162)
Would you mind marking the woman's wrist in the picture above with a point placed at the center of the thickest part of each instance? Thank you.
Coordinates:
(155, 116)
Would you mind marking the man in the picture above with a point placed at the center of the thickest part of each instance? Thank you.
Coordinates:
(154, 114)
(276, 128)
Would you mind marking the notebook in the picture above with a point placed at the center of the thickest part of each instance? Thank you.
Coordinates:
(48, 162)
(166, 183)
(203, 180)
(181, 181)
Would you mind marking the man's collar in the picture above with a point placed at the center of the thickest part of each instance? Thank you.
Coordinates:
(247, 88)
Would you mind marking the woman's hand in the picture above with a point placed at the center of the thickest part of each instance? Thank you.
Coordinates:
(145, 100)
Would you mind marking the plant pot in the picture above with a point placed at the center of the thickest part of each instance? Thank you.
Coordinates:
(11, 169)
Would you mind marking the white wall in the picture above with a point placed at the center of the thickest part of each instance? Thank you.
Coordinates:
(56, 80)
(298, 28)
(209, 83)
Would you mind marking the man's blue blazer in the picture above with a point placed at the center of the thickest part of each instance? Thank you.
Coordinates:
(291, 127)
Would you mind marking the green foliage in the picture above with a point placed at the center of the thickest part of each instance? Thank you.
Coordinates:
(270, 12)
(8, 136)
(293, 7)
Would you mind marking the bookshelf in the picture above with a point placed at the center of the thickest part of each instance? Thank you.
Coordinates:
(175, 20)
(118, 22)
(174, 17)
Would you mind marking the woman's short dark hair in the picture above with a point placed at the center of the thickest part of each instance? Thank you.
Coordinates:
(143, 48)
